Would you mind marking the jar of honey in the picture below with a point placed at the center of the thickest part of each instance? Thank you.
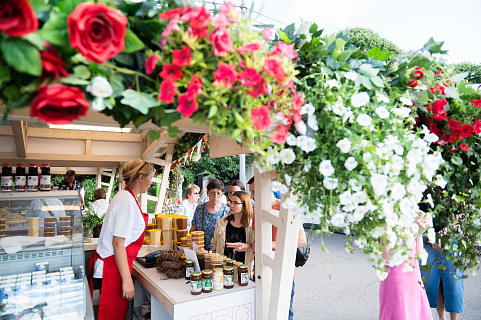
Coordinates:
(196, 283)
(189, 268)
(243, 275)
(228, 277)
(207, 279)
(218, 279)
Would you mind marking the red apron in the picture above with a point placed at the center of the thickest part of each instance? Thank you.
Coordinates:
(112, 305)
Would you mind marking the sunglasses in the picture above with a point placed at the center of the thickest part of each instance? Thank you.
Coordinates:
(196, 193)
(137, 172)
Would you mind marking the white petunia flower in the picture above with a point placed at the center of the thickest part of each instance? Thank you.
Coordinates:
(432, 235)
(330, 183)
(355, 185)
(287, 156)
(345, 198)
(347, 116)
(306, 144)
(440, 182)
(381, 97)
(360, 99)
(430, 200)
(359, 197)
(333, 83)
(339, 109)
(288, 179)
(406, 207)
(398, 191)
(392, 219)
(351, 75)
(414, 156)
(344, 145)
(291, 139)
(325, 168)
(301, 127)
(402, 112)
(431, 138)
(382, 274)
(338, 220)
(382, 112)
(312, 122)
(406, 102)
(279, 186)
(364, 120)
(379, 184)
(308, 109)
(100, 87)
(273, 158)
(424, 257)
(350, 163)
(307, 166)
(407, 268)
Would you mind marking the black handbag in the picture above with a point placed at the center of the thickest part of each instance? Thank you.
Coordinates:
(302, 254)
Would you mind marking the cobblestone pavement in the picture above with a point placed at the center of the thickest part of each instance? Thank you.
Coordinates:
(352, 291)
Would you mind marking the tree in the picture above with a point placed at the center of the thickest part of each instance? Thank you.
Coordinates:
(474, 70)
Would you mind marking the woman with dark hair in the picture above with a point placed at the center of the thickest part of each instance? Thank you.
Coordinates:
(120, 240)
(207, 214)
(236, 230)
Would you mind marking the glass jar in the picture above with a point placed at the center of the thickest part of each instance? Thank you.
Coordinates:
(32, 179)
(20, 178)
(243, 275)
(230, 263)
(218, 279)
(228, 277)
(189, 268)
(207, 285)
(196, 283)
(45, 180)
(7, 178)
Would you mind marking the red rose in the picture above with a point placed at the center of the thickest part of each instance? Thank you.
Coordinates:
(150, 63)
(274, 68)
(97, 31)
(412, 83)
(195, 84)
(249, 77)
(58, 104)
(222, 42)
(464, 147)
(438, 106)
(182, 57)
(225, 74)
(52, 64)
(187, 104)
(17, 18)
(167, 91)
(260, 117)
(171, 72)
(476, 103)
(417, 73)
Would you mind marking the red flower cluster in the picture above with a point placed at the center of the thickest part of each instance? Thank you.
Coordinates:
(261, 117)
(53, 65)
(17, 18)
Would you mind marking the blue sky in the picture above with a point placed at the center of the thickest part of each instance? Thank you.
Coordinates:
(407, 23)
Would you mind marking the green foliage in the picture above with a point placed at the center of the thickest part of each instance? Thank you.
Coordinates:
(366, 39)
(90, 220)
(474, 70)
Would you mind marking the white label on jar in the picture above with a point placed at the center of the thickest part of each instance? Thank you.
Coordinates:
(45, 179)
(188, 271)
(218, 282)
(32, 181)
(228, 280)
(20, 182)
(244, 277)
(7, 181)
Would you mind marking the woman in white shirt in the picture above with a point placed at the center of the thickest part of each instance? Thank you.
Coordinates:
(187, 207)
(100, 205)
(120, 240)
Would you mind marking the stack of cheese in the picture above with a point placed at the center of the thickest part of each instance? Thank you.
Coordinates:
(33, 229)
(64, 227)
(49, 226)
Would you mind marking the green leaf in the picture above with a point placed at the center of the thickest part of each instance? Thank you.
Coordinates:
(459, 77)
(434, 47)
(457, 160)
(22, 56)
(74, 81)
(132, 42)
(368, 70)
(313, 28)
(140, 101)
(174, 132)
(153, 135)
(82, 72)
(117, 85)
(283, 36)
(70, 5)
(55, 30)
(4, 74)
(378, 54)
(451, 92)
(212, 111)
(12, 92)
(345, 55)
(124, 58)
(35, 39)
(377, 81)
(423, 97)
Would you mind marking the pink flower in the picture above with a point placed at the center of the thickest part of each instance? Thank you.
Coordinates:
(228, 10)
(172, 26)
(220, 21)
(280, 136)
(171, 72)
(251, 47)
(274, 68)
(201, 20)
(195, 84)
(200, 33)
(284, 49)
(439, 106)
(258, 89)
(170, 14)
(249, 77)
(222, 42)
(167, 90)
(187, 104)
(260, 117)
(182, 57)
(267, 34)
(225, 74)
(150, 63)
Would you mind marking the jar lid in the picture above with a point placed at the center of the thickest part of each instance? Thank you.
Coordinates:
(217, 269)
(46, 164)
(231, 261)
(33, 164)
(243, 266)
(20, 164)
(196, 273)
(207, 271)
(228, 268)
(7, 164)
(188, 261)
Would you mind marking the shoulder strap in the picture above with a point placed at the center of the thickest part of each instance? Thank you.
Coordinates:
(46, 207)
(205, 205)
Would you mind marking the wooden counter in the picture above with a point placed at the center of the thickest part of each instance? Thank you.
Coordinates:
(91, 246)
(171, 299)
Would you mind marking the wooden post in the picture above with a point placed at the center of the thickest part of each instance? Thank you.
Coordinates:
(165, 178)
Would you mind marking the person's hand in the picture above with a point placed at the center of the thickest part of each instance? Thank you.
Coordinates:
(238, 246)
(421, 222)
(437, 246)
(128, 289)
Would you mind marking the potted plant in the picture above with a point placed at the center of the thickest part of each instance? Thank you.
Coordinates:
(92, 224)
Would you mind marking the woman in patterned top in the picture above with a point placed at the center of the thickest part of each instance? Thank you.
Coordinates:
(207, 214)
(235, 230)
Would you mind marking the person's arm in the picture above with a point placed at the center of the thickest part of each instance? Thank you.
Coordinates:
(422, 223)
(120, 254)
(241, 247)
(301, 237)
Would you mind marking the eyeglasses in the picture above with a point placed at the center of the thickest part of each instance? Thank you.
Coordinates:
(213, 193)
(196, 193)
(234, 203)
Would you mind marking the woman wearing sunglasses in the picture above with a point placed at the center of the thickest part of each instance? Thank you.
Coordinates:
(236, 230)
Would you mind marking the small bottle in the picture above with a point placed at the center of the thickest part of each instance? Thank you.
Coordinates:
(7, 178)
(189, 268)
(207, 285)
(243, 275)
(32, 179)
(218, 279)
(228, 277)
(196, 283)
(20, 178)
(45, 181)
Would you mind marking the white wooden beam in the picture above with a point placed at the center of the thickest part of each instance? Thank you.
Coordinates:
(88, 147)
(165, 178)
(157, 161)
(153, 146)
(83, 134)
(271, 216)
(19, 131)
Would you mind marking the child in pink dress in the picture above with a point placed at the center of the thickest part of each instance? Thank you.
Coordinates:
(401, 294)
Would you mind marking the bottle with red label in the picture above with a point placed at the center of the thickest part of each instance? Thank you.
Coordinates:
(7, 178)
(32, 179)
(45, 180)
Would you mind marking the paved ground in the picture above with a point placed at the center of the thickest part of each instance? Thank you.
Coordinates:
(352, 291)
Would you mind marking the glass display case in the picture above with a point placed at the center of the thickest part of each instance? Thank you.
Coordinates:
(42, 272)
